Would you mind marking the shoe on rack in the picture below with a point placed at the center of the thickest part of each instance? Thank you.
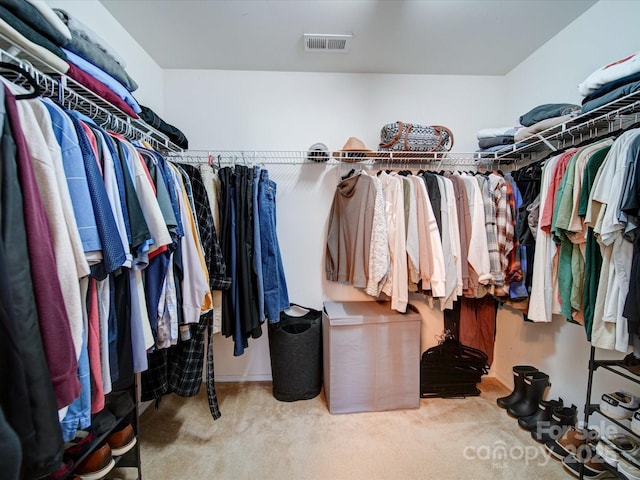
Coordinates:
(535, 384)
(619, 405)
(571, 443)
(611, 447)
(635, 422)
(518, 386)
(97, 464)
(561, 420)
(61, 473)
(81, 444)
(543, 414)
(593, 466)
(119, 403)
(632, 364)
(122, 440)
(631, 472)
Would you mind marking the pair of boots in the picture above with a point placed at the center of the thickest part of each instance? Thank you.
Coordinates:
(550, 421)
(529, 386)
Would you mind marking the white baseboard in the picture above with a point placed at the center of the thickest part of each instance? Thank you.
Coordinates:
(260, 377)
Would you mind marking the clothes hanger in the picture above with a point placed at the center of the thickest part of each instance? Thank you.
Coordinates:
(36, 90)
(351, 172)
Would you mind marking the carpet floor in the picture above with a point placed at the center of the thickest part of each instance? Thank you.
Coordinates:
(259, 437)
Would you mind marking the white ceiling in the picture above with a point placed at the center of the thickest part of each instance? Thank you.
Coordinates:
(466, 37)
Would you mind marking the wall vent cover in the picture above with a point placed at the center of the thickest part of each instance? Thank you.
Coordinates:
(328, 43)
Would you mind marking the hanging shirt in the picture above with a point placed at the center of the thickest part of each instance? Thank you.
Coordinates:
(396, 285)
(541, 302)
(379, 263)
(349, 231)
(70, 259)
(76, 181)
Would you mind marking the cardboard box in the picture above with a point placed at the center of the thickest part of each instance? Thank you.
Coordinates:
(371, 357)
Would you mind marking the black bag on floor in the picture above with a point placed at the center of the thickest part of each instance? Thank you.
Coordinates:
(295, 346)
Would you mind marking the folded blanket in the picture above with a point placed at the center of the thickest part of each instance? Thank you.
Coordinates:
(541, 126)
(492, 142)
(611, 96)
(103, 77)
(496, 132)
(175, 135)
(30, 15)
(548, 110)
(79, 29)
(614, 71)
(33, 48)
(30, 33)
(50, 16)
(100, 89)
(608, 87)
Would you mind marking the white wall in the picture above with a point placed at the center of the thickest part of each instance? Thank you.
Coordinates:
(140, 66)
(605, 33)
(237, 110)
(227, 110)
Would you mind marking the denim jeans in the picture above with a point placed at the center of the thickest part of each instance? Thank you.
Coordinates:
(276, 297)
(78, 415)
(257, 247)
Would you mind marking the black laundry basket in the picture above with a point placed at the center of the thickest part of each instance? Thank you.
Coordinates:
(295, 345)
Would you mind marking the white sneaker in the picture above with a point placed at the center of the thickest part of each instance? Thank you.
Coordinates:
(619, 405)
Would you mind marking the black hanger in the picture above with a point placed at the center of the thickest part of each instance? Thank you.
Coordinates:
(351, 172)
(36, 90)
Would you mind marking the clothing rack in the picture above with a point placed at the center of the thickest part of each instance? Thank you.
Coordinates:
(74, 96)
(425, 160)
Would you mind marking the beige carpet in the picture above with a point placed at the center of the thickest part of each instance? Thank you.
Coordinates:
(260, 438)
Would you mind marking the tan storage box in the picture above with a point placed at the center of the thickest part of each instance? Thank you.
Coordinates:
(371, 357)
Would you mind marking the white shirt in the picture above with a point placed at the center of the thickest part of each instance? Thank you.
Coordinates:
(195, 284)
(478, 255)
(432, 266)
(379, 261)
(396, 285)
(541, 298)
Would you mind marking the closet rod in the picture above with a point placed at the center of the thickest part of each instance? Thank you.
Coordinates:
(299, 157)
(74, 96)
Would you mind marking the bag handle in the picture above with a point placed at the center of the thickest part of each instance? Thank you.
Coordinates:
(440, 129)
(406, 137)
(396, 138)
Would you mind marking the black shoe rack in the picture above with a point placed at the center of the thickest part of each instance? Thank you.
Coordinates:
(614, 366)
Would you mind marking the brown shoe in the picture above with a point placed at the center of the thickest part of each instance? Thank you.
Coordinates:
(570, 442)
(121, 441)
(97, 464)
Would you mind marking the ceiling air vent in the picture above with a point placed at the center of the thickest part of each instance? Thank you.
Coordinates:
(328, 43)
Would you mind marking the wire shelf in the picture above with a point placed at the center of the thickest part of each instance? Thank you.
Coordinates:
(609, 118)
(431, 160)
(74, 96)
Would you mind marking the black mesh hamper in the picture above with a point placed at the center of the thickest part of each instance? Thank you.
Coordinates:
(295, 346)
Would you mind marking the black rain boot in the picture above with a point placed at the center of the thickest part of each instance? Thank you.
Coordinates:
(561, 420)
(518, 386)
(535, 384)
(543, 414)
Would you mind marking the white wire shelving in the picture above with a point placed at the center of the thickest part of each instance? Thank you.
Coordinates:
(74, 96)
